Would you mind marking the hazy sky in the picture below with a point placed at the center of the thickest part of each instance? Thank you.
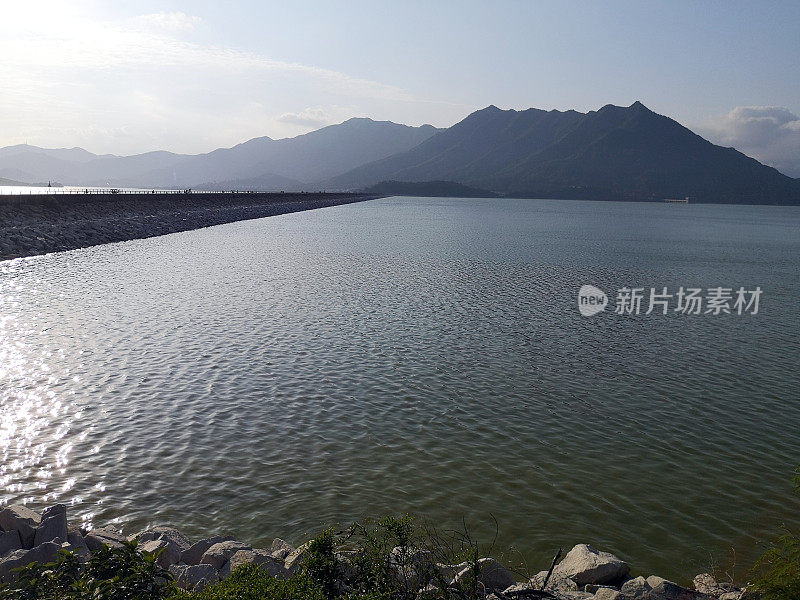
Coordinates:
(128, 77)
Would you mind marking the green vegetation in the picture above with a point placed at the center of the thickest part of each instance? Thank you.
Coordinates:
(248, 582)
(110, 574)
(389, 559)
(321, 565)
(778, 570)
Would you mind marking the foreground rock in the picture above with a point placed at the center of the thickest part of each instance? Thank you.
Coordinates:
(587, 565)
(21, 519)
(585, 573)
(557, 583)
(635, 588)
(77, 544)
(666, 590)
(707, 584)
(492, 577)
(169, 553)
(218, 554)
(9, 541)
(263, 559)
(280, 548)
(295, 559)
(179, 541)
(105, 535)
(43, 553)
(53, 525)
(194, 577)
(193, 554)
(413, 567)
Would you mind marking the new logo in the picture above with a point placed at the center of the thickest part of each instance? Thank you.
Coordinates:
(591, 300)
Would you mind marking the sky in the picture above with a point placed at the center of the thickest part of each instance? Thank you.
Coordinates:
(126, 77)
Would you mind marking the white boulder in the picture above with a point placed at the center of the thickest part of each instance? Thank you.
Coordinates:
(585, 564)
(295, 559)
(161, 532)
(707, 584)
(635, 588)
(193, 554)
(655, 580)
(218, 554)
(280, 548)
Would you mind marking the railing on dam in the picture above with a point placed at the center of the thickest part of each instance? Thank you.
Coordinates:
(39, 191)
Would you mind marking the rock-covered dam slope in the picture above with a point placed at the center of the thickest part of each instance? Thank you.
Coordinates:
(39, 224)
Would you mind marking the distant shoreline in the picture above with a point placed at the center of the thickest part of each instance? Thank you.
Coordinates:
(37, 224)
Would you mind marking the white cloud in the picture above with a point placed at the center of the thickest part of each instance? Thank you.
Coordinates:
(310, 117)
(69, 79)
(106, 46)
(770, 134)
(174, 21)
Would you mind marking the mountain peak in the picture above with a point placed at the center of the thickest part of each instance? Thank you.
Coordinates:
(635, 107)
(487, 114)
(367, 122)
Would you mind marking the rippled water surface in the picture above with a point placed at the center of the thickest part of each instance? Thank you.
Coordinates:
(264, 377)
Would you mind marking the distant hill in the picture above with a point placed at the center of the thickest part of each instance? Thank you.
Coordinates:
(305, 158)
(433, 189)
(4, 181)
(616, 153)
(30, 163)
(69, 154)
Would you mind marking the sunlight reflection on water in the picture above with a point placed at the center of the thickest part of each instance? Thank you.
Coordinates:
(37, 413)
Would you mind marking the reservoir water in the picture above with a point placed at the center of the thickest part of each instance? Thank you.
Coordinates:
(266, 377)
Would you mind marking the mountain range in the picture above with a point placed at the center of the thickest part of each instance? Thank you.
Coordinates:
(614, 153)
(293, 164)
